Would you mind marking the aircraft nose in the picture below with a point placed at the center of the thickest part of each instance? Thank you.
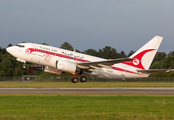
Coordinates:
(9, 50)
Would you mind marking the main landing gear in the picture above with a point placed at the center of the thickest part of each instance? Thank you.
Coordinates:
(82, 79)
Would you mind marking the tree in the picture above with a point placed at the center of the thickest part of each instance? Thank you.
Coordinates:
(109, 53)
(92, 52)
(131, 53)
(67, 46)
(172, 53)
(6, 67)
(122, 54)
(159, 56)
(9, 45)
(168, 62)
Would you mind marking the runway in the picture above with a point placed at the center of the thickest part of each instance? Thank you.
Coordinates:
(104, 91)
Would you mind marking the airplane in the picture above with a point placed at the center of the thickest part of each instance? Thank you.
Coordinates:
(57, 61)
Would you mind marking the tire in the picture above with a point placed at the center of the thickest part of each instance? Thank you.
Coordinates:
(83, 79)
(74, 80)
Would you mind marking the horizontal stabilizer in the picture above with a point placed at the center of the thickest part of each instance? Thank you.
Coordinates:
(153, 71)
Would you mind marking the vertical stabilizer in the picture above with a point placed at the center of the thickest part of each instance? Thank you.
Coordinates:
(145, 55)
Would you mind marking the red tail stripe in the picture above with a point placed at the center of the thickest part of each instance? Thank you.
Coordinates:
(137, 63)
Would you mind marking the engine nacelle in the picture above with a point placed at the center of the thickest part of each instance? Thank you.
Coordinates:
(66, 66)
(51, 70)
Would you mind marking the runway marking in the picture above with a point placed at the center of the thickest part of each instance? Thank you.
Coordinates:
(115, 90)
(93, 88)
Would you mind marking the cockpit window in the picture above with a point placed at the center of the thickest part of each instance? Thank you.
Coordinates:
(21, 46)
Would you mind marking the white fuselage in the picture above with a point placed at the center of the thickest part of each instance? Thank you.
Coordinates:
(48, 55)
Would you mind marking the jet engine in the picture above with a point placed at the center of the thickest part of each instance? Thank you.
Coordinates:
(66, 66)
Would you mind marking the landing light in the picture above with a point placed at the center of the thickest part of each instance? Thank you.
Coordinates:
(73, 74)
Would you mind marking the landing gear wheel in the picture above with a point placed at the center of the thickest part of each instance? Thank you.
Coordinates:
(83, 79)
(74, 80)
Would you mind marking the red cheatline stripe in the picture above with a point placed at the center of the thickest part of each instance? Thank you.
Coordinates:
(76, 59)
(123, 70)
(58, 55)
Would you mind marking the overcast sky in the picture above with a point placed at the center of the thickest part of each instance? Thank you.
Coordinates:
(88, 24)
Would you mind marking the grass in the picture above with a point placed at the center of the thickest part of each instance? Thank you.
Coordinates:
(79, 84)
(70, 107)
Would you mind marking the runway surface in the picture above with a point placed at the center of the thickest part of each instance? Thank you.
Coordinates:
(113, 91)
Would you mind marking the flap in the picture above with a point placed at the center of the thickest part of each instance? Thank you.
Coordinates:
(101, 64)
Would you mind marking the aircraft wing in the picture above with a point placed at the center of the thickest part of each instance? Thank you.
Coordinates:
(100, 64)
(153, 71)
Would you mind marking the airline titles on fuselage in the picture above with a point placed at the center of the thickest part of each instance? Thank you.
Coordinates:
(72, 55)
(51, 50)
(64, 53)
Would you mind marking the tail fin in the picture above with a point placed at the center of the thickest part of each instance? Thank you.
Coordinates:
(145, 55)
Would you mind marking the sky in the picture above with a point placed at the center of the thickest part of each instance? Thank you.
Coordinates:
(88, 24)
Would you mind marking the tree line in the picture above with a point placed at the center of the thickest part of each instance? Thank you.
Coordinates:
(10, 67)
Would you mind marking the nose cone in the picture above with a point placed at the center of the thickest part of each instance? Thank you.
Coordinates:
(10, 50)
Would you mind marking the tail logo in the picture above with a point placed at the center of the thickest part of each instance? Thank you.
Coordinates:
(136, 62)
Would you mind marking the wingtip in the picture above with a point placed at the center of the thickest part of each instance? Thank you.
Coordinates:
(158, 37)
